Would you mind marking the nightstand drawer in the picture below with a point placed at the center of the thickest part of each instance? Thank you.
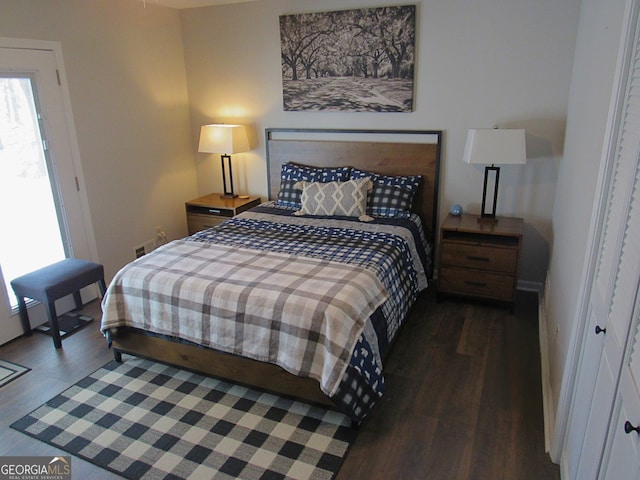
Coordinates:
(195, 223)
(479, 256)
(213, 209)
(201, 210)
(467, 282)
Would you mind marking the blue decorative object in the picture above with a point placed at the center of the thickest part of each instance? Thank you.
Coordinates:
(456, 209)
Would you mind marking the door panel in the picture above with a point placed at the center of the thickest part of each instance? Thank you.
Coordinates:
(623, 457)
(597, 421)
(30, 203)
(586, 391)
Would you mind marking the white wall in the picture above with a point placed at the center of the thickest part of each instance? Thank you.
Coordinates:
(505, 62)
(127, 83)
(592, 82)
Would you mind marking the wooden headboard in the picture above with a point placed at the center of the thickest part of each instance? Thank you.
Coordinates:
(388, 152)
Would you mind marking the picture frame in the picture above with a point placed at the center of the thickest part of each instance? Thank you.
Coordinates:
(359, 60)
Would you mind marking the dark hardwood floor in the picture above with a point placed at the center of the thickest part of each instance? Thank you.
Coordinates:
(463, 396)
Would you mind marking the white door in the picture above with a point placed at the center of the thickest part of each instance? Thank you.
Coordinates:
(622, 458)
(585, 392)
(615, 281)
(44, 213)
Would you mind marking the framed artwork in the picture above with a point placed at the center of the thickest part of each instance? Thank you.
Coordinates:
(349, 60)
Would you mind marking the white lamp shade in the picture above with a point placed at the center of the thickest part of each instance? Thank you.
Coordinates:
(223, 139)
(494, 146)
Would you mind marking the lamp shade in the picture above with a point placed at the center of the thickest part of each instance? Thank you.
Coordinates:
(493, 146)
(223, 139)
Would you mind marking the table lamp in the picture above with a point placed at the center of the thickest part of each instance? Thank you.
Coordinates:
(494, 146)
(224, 139)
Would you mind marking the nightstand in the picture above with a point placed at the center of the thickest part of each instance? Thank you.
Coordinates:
(210, 210)
(480, 260)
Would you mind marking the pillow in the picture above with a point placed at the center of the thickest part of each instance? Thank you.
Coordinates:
(348, 199)
(290, 173)
(391, 196)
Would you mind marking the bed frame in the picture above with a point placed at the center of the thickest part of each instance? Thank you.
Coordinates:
(415, 152)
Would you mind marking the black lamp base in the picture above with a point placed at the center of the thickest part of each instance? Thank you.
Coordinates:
(488, 212)
(227, 177)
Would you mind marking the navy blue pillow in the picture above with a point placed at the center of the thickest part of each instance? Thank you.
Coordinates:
(391, 196)
(291, 173)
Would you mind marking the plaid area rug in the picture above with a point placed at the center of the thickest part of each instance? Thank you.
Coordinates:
(9, 371)
(145, 420)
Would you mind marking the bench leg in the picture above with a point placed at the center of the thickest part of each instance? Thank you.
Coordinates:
(24, 316)
(78, 300)
(117, 355)
(53, 324)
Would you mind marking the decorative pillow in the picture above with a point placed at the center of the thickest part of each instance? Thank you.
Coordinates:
(289, 196)
(391, 196)
(348, 199)
(290, 173)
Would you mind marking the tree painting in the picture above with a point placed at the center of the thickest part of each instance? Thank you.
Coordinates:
(349, 60)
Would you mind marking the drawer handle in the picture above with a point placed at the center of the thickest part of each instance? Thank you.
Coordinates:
(478, 259)
(213, 210)
(475, 284)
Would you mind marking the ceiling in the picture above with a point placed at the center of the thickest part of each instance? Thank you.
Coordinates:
(191, 3)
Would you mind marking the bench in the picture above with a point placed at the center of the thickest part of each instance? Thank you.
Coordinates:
(53, 282)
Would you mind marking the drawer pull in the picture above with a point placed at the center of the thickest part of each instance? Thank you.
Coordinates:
(478, 259)
(475, 284)
(214, 211)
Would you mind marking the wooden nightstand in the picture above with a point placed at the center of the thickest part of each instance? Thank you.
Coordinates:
(210, 210)
(480, 259)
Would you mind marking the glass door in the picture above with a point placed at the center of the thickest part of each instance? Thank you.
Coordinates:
(34, 235)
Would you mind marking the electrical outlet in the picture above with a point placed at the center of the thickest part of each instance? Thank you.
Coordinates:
(143, 248)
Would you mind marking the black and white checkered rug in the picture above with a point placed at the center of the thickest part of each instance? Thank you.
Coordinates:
(145, 420)
(9, 371)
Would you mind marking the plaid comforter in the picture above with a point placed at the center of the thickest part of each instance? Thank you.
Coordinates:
(320, 297)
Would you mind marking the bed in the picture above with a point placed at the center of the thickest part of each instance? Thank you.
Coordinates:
(300, 296)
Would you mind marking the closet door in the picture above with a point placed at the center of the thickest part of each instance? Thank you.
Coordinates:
(622, 456)
(615, 283)
(622, 459)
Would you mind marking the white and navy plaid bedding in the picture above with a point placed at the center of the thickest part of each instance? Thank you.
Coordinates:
(322, 298)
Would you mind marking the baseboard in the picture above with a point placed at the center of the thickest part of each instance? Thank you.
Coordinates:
(564, 468)
(547, 393)
(531, 286)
